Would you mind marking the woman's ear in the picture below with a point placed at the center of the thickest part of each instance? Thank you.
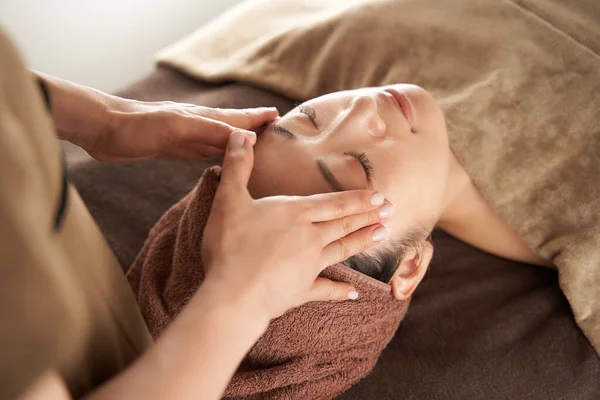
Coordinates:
(411, 271)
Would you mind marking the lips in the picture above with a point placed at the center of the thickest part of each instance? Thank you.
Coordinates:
(404, 105)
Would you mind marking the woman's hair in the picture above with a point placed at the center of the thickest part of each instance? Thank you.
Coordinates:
(381, 262)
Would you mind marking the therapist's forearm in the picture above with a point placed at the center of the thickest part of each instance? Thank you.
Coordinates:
(80, 113)
(197, 355)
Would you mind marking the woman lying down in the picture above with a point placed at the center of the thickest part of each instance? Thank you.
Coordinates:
(391, 139)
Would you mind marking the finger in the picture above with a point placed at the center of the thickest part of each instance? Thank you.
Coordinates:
(324, 289)
(331, 231)
(207, 151)
(209, 132)
(194, 152)
(352, 244)
(237, 165)
(247, 118)
(331, 206)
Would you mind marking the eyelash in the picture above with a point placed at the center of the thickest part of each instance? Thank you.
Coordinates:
(283, 131)
(309, 112)
(366, 163)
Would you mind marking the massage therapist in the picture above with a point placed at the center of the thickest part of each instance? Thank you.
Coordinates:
(70, 326)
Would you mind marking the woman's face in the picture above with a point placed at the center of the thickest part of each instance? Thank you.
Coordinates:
(391, 139)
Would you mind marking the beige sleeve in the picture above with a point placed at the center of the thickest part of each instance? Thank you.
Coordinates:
(64, 302)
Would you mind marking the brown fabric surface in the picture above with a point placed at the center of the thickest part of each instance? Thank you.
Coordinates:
(479, 327)
(315, 351)
(519, 91)
(64, 302)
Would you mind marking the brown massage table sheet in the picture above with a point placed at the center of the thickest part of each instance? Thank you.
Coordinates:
(479, 327)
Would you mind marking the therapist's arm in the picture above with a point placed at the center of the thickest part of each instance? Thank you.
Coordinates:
(198, 354)
(194, 359)
(111, 128)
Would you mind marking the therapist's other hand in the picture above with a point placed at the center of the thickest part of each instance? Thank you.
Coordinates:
(271, 250)
(138, 130)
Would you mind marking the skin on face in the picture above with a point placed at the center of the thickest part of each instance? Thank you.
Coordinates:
(361, 139)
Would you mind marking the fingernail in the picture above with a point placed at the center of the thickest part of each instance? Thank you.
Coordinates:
(386, 211)
(251, 136)
(267, 109)
(379, 234)
(377, 199)
(236, 140)
(353, 295)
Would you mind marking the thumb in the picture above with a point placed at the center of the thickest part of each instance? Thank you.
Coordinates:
(324, 289)
(238, 161)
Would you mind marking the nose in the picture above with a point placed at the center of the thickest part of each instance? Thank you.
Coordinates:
(363, 114)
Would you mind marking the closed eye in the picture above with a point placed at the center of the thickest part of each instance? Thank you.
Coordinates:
(309, 112)
(283, 131)
(365, 162)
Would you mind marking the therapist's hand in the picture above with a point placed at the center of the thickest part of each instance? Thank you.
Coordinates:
(140, 130)
(270, 251)
(111, 128)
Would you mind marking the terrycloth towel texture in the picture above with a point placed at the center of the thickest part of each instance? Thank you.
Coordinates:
(519, 82)
(312, 352)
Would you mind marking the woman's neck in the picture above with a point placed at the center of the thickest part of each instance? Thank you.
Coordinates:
(457, 188)
(469, 217)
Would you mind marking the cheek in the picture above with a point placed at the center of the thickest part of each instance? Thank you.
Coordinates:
(262, 182)
(415, 184)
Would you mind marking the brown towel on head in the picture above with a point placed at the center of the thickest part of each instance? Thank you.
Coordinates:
(315, 351)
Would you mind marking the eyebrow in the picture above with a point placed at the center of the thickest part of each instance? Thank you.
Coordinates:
(326, 172)
(283, 131)
(299, 108)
